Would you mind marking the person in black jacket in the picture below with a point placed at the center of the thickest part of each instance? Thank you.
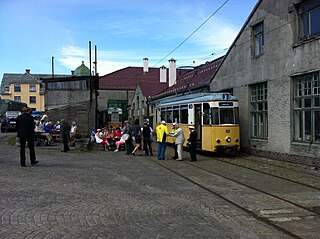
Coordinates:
(127, 130)
(25, 126)
(65, 135)
(193, 143)
(146, 133)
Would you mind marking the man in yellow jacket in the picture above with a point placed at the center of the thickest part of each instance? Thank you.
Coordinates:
(162, 132)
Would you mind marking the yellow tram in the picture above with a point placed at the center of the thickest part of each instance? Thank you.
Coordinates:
(214, 115)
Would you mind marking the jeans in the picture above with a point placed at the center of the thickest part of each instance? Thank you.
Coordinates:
(162, 150)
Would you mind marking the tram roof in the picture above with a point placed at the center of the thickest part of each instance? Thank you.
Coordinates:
(199, 97)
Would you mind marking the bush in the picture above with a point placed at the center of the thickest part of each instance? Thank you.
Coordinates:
(78, 136)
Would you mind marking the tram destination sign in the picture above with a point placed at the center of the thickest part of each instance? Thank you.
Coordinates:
(225, 103)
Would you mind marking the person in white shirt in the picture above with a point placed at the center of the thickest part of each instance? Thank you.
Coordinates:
(179, 135)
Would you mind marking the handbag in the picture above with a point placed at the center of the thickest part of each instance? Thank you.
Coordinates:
(125, 137)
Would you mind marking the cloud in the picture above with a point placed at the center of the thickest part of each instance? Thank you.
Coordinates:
(108, 61)
(217, 36)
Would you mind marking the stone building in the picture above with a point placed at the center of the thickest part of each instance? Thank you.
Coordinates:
(73, 98)
(273, 67)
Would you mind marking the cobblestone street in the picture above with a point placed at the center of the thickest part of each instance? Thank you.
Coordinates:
(111, 195)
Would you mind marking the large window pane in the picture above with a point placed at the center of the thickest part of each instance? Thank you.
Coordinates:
(306, 108)
(259, 111)
(309, 17)
(258, 35)
(317, 126)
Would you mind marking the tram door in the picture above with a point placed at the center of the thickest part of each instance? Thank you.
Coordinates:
(198, 124)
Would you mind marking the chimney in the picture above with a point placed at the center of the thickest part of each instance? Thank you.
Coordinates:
(163, 74)
(172, 72)
(145, 65)
(27, 71)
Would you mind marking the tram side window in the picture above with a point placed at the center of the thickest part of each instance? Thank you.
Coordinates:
(169, 115)
(184, 114)
(215, 116)
(206, 111)
(226, 116)
(176, 114)
(163, 114)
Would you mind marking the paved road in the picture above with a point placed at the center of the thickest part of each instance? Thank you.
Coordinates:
(111, 195)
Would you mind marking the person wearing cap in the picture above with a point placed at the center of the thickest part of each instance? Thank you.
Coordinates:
(25, 127)
(162, 132)
(174, 141)
(192, 141)
(179, 135)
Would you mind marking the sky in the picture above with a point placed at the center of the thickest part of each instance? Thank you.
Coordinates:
(124, 31)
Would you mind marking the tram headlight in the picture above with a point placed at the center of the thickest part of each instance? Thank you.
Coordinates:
(218, 141)
(237, 140)
(228, 139)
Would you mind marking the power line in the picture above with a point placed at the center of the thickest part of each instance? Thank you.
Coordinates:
(192, 33)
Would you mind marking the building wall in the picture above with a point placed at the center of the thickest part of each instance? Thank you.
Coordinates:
(107, 95)
(284, 56)
(138, 106)
(72, 105)
(25, 96)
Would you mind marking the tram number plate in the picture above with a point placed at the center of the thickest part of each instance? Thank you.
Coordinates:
(227, 131)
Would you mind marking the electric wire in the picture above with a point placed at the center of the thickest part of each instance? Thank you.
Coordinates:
(192, 33)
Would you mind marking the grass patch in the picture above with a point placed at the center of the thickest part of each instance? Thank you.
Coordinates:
(12, 141)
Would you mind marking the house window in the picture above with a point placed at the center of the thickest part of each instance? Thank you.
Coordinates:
(309, 19)
(259, 111)
(6, 88)
(17, 98)
(306, 108)
(258, 38)
(32, 100)
(32, 88)
(17, 88)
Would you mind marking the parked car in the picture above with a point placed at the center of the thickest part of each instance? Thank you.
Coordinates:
(37, 114)
(9, 122)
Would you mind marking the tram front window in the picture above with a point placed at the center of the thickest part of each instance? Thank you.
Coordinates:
(226, 116)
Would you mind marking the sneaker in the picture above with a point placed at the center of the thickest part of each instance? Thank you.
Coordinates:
(116, 150)
(179, 159)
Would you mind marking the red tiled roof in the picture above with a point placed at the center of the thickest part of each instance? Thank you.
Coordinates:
(151, 88)
(127, 78)
(201, 75)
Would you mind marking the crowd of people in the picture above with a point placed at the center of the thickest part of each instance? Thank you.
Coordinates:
(134, 139)
(137, 139)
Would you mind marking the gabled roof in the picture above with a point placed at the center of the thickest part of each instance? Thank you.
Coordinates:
(199, 77)
(127, 78)
(25, 78)
(151, 88)
(237, 37)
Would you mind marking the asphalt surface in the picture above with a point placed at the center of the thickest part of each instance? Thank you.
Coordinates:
(102, 194)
